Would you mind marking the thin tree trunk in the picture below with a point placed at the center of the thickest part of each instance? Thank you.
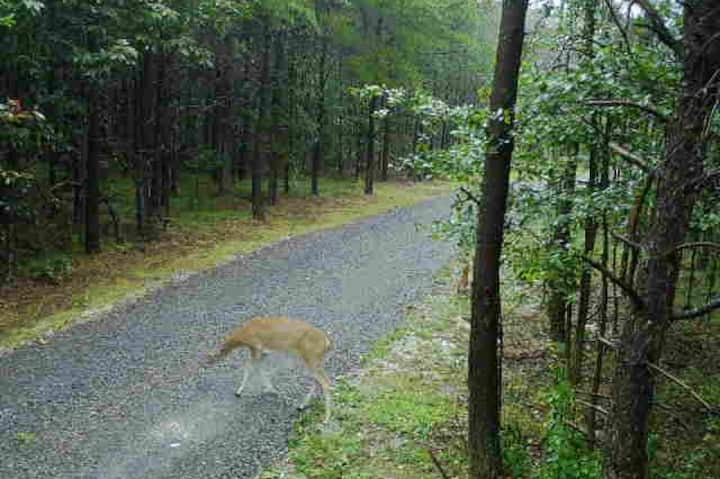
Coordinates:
(321, 134)
(262, 140)
(484, 374)
(92, 174)
(603, 303)
(386, 149)
(557, 297)
(370, 149)
(591, 225)
(279, 115)
(359, 154)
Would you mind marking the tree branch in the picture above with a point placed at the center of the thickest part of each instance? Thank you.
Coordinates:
(629, 103)
(627, 241)
(698, 244)
(697, 312)
(658, 26)
(599, 409)
(437, 464)
(627, 289)
(616, 20)
(681, 384)
(470, 196)
(632, 158)
(607, 342)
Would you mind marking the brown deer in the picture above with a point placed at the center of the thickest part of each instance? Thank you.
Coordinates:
(278, 334)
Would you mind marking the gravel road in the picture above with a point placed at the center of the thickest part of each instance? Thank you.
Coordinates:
(125, 396)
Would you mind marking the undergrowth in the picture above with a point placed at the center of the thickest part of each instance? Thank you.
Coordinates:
(404, 414)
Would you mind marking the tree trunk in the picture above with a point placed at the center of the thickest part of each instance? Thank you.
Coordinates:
(386, 149)
(262, 140)
(370, 149)
(680, 179)
(591, 413)
(359, 154)
(279, 133)
(591, 225)
(92, 174)
(484, 374)
(321, 134)
(557, 304)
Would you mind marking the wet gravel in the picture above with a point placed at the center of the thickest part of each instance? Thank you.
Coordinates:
(126, 395)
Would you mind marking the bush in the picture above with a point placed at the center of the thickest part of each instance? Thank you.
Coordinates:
(50, 267)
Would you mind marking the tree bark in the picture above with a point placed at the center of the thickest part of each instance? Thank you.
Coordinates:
(484, 375)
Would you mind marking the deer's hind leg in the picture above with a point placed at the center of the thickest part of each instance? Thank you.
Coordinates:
(324, 382)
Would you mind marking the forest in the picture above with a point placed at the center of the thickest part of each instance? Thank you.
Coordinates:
(574, 332)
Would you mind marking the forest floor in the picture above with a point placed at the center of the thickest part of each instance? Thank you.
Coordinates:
(203, 233)
(404, 414)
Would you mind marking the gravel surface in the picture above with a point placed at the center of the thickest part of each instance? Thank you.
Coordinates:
(126, 395)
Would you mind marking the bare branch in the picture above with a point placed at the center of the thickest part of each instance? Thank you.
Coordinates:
(697, 312)
(627, 289)
(616, 20)
(437, 464)
(470, 196)
(631, 104)
(698, 244)
(632, 158)
(709, 42)
(680, 383)
(711, 179)
(575, 427)
(607, 342)
(599, 409)
(626, 240)
(658, 26)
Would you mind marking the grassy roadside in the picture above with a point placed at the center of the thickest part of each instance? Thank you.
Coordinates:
(403, 415)
(201, 237)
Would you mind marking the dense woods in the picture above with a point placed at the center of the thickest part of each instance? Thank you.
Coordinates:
(107, 107)
(619, 154)
(589, 167)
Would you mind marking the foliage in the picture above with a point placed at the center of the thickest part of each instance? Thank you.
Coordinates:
(567, 453)
(177, 87)
(49, 267)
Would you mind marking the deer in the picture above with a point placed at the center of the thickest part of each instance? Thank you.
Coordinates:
(263, 335)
